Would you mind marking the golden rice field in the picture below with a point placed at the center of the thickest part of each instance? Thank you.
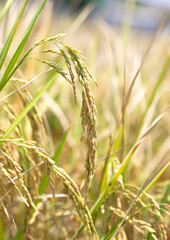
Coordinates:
(84, 126)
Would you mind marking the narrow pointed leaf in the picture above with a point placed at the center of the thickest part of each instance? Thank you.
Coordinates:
(7, 44)
(17, 53)
(160, 79)
(109, 160)
(165, 197)
(114, 179)
(159, 174)
(28, 107)
(143, 60)
(43, 184)
(60, 147)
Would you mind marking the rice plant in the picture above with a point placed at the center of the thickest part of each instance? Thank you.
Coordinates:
(82, 157)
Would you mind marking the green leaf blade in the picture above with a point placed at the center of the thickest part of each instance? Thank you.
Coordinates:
(28, 108)
(60, 147)
(8, 42)
(17, 53)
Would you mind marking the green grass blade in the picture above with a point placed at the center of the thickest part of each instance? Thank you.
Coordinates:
(153, 94)
(19, 235)
(7, 44)
(113, 180)
(143, 60)
(111, 231)
(160, 79)
(1, 230)
(43, 184)
(28, 107)
(118, 139)
(17, 53)
(166, 194)
(150, 185)
(110, 161)
(155, 179)
(109, 164)
(149, 236)
(60, 147)
(5, 9)
(165, 198)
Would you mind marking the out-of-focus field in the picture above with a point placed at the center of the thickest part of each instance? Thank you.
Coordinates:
(132, 97)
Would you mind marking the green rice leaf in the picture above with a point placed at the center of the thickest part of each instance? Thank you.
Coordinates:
(109, 162)
(1, 230)
(143, 60)
(4, 79)
(109, 165)
(60, 146)
(111, 231)
(28, 107)
(117, 142)
(43, 184)
(19, 235)
(165, 197)
(114, 179)
(158, 175)
(160, 79)
(7, 44)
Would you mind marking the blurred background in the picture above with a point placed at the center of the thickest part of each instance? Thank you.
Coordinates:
(143, 14)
